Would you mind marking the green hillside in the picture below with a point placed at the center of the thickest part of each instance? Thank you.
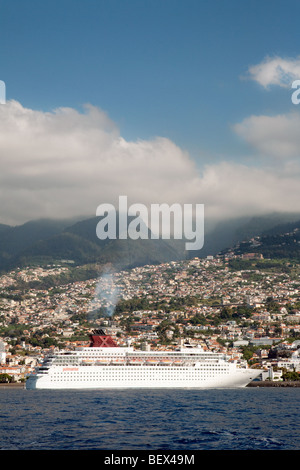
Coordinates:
(280, 242)
(74, 240)
(47, 241)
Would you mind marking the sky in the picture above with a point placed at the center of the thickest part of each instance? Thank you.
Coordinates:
(170, 101)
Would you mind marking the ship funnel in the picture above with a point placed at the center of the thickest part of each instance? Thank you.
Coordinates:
(99, 339)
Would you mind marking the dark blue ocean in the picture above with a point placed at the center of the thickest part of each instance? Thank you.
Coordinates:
(229, 419)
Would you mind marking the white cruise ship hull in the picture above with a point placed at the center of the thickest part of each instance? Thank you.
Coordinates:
(120, 377)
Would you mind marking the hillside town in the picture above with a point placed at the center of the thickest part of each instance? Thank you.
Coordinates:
(244, 306)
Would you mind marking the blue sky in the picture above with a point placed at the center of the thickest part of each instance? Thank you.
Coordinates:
(165, 68)
(169, 68)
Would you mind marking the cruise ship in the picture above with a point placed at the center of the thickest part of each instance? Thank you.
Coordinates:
(105, 365)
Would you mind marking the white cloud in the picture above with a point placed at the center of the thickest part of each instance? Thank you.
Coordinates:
(276, 71)
(275, 136)
(65, 163)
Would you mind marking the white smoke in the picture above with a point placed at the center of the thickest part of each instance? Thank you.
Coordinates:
(106, 296)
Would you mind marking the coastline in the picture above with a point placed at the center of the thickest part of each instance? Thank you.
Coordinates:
(268, 383)
(258, 383)
(13, 385)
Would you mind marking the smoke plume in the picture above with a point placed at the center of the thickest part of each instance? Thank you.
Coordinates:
(106, 296)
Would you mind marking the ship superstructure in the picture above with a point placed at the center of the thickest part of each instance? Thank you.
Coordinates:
(103, 364)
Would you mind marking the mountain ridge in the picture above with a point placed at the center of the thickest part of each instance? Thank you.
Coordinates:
(50, 240)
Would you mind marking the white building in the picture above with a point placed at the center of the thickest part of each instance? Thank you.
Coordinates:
(2, 353)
